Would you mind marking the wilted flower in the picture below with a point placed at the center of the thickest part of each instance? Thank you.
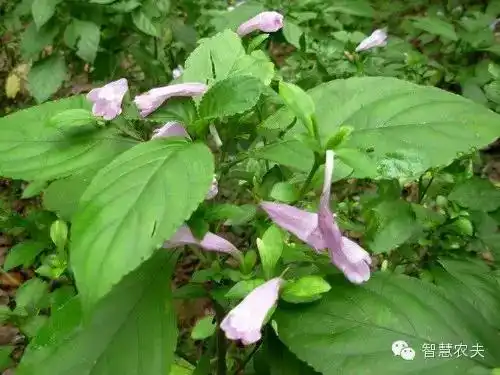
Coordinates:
(266, 21)
(177, 72)
(245, 321)
(214, 189)
(170, 129)
(322, 232)
(210, 242)
(108, 99)
(154, 98)
(377, 39)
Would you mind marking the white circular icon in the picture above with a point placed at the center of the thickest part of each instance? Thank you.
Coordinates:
(408, 354)
(398, 346)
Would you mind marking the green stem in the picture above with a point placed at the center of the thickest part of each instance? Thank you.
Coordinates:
(221, 342)
(308, 180)
(423, 192)
(226, 167)
(247, 359)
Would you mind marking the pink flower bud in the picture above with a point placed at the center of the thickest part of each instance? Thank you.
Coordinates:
(154, 98)
(267, 22)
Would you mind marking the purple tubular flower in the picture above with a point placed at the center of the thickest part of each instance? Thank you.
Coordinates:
(107, 100)
(267, 22)
(245, 321)
(170, 129)
(210, 242)
(377, 39)
(154, 98)
(321, 232)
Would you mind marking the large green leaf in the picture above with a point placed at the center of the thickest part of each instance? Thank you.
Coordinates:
(43, 10)
(62, 196)
(131, 206)
(436, 26)
(46, 77)
(231, 96)
(132, 331)
(474, 282)
(351, 330)
(214, 58)
(395, 116)
(33, 41)
(30, 150)
(89, 35)
(291, 153)
(476, 194)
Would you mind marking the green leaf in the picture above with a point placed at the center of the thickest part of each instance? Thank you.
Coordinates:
(43, 10)
(33, 189)
(59, 233)
(270, 249)
(181, 367)
(436, 26)
(391, 115)
(232, 214)
(395, 224)
(135, 325)
(89, 36)
(23, 254)
(62, 196)
(306, 289)
(233, 95)
(357, 325)
(476, 194)
(29, 295)
(281, 361)
(220, 51)
(204, 328)
(33, 41)
(176, 109)
(473, 282)
(284, 192)
(32, 326)
(46, 77)
(361, 8)
(299, 102)
(359, 161)
(144, 23)
(5, 358)
(242, 288)
(30, 150)
(291, 153)
(159, 184)
(257, 65)
(72, 118)
(292, 33)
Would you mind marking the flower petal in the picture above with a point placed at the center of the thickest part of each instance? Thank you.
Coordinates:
(170, 129)
(302, 224)
(245, 321)
(210, 242)
(154, 98)
(107, 100)
(353, 261)
(266, 21)
(377, 39)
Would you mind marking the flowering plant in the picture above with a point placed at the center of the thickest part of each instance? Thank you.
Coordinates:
(258, 179)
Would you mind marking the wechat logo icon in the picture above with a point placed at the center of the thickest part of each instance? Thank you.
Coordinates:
(401, 349)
